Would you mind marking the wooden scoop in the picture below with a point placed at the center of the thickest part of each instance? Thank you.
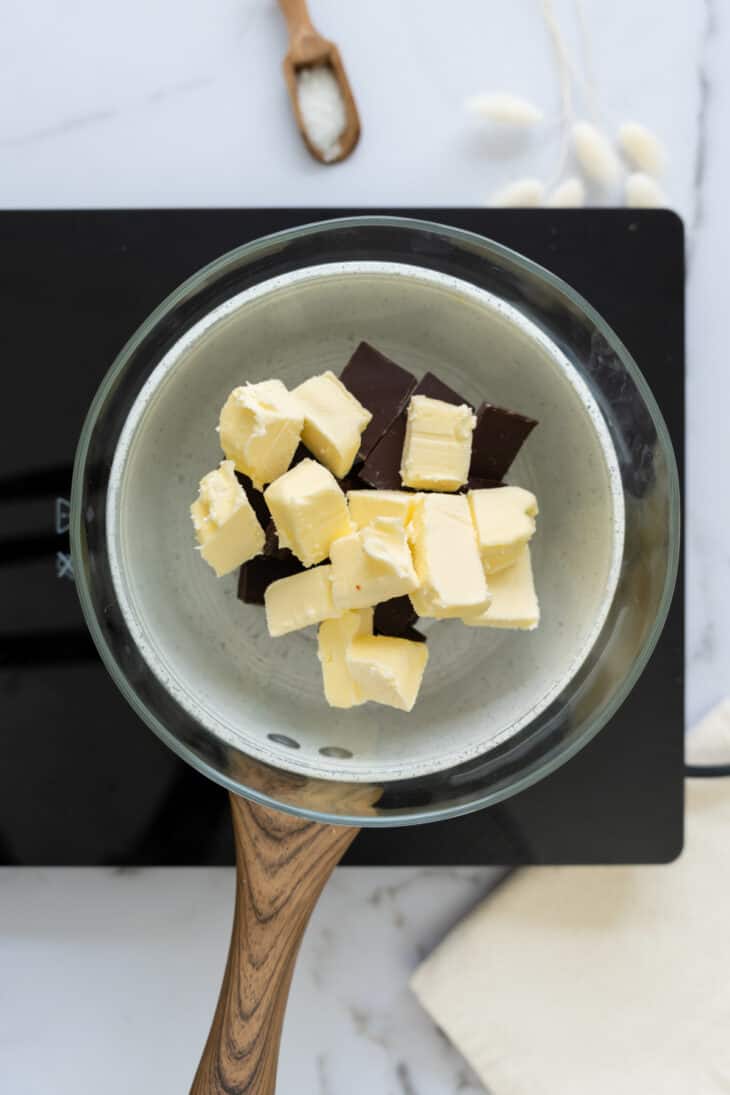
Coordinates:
(307, 47)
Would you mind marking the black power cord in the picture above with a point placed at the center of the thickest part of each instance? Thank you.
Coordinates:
(706, 771)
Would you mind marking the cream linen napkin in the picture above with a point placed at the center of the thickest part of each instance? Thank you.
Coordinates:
(601, 980)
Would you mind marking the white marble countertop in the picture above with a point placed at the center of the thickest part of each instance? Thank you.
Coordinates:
(179, 103)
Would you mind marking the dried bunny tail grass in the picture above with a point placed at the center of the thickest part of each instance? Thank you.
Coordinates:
(569, 194)
(643, 192)
(595, 154)
(589, 67)
(566, 72)
(641, 148)
(505, 109)
(519, 194)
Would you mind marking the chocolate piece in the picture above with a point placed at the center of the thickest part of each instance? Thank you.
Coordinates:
(498, 437)
(414, 635)
(382, 387)
(256, 499)
(271, 544)
(382, 468)
(257, 574)
(301, 453)
(394, 617)
(353, 482)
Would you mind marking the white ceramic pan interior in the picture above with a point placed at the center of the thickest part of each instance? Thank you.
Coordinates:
(213, 652)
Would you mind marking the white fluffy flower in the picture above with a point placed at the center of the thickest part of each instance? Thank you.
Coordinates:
(641, 148)
(595, 154)
(505, 109)
(643, 192)
(569, 194)
(519, 194)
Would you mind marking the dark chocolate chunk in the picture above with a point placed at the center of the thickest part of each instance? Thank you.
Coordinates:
(301, 453)
(382, 387)
(414, 635)
(434, 388)
(256, 499)
(353, 482)
(271, 544)
(258, 573)
(498, 437)
(382, 468)
(394, 617)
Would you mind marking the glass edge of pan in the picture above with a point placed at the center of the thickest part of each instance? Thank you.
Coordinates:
(417, 815)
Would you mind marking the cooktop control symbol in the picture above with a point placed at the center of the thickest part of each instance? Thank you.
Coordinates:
(64, 565)
(63, 508)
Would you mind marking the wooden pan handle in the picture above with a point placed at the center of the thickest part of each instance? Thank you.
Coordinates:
(283, 863)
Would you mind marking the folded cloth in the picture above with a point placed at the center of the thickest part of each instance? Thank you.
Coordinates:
(598, 981)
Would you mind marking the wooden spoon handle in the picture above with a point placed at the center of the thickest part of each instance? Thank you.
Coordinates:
(282, 865)
(297, 18)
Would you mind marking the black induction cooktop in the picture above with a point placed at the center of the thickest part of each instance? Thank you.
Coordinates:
(82, 780)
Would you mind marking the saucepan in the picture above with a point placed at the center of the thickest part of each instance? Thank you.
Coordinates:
(498, 709)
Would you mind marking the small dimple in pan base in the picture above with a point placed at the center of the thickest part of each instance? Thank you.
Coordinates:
(214, 654)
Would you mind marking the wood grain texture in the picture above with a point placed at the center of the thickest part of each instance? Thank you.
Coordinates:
(302, 32)
(283, 863)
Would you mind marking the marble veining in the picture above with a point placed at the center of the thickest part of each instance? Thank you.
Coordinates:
(703, 80)
(192, 111)
(182, 87)
(58, 129)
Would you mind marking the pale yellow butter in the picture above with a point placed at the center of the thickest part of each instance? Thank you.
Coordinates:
(437, 446)
(260, 428)
(333, 421)
(309, 511)
(366, 505)
(372, 565)
(299, 600)
(446, 558)
(225, 524)
(334, 639)
(504, 520)
(387, 670)
(514, 601)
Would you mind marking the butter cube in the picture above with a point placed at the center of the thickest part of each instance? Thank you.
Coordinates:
(514, 601)
(372, 565)
(446, 557)
(309, 511)
(437, 446)
(387, 670)
(334, 639)
(260, 427)
(333, 421)
(366, 505)
(225, 525)
(504, 520)
(299, 600)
